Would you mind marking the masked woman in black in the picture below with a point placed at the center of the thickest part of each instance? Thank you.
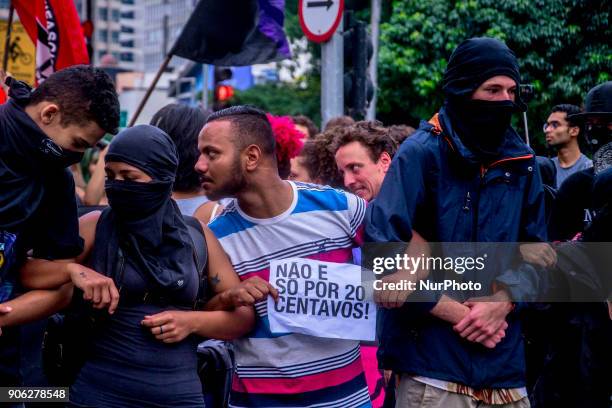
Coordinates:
(144, 354)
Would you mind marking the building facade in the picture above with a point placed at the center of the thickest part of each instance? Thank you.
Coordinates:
(164, 20)
(136, 33)
(116, 32)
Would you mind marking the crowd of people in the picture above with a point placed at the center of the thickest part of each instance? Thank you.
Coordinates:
(180, 219)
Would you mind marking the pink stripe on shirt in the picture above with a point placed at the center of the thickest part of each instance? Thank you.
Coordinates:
(301, 384)
(342, 255)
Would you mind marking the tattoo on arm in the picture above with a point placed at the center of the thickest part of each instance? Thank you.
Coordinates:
(215, 280)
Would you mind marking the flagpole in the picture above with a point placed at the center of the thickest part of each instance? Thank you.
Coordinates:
(7, 41)
(160, 71)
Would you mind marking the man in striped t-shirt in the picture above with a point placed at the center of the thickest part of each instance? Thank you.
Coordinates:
(275, 219)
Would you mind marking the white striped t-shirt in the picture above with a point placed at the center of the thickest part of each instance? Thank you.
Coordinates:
(295, 370)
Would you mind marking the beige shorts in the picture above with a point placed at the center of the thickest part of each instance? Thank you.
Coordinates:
(414, 394)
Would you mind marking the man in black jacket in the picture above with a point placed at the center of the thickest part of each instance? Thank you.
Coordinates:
(42, 132)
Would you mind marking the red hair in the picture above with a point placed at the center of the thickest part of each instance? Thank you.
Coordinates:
(288, 141)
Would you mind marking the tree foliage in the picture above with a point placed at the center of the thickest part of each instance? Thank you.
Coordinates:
(286, 98)
(563, 47)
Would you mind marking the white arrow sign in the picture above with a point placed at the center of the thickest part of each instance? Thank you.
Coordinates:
(320, 18)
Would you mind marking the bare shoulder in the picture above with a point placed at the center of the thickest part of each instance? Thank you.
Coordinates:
(87, 229)
(205, 211)
(90, 219)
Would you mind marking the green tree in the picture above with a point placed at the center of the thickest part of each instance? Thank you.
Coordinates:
(563, 47)
(286, 98)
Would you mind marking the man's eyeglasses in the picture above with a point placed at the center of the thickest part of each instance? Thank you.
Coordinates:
(553, 124)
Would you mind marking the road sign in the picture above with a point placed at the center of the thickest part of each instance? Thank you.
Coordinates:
(320, 18)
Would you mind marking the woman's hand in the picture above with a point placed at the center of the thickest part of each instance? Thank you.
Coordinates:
(171, 326)
(97, 288)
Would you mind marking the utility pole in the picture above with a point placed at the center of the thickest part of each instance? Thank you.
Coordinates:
(375, 24)
(205, 71)
(332, 76)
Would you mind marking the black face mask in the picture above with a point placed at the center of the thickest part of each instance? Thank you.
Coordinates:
(598, 136)
(132, 200)
(55, 156)
(482, 125)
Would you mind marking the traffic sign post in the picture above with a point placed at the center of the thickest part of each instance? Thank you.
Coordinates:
(332, 77)
(321, 21)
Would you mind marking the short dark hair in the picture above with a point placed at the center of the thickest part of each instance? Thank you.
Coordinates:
(339, 121)
(305, 121)
(84, 94)
(183, 123)
(568, 109)
(319, 160)
(399, 133)
(371, 134)
(250, 125)
(308, 156)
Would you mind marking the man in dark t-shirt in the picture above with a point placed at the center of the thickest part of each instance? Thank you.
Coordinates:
(563, 134)
(42, 132)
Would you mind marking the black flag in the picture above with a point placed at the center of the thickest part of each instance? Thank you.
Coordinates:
(234, 33)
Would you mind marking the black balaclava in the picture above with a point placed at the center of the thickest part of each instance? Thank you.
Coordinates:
(481, 125)
(598, 105)
(148, 225)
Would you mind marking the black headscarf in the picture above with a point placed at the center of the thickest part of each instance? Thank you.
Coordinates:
(143, 220)
(28, 160)
(481, 125)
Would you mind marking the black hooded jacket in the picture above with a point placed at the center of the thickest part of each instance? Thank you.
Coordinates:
(37, 201)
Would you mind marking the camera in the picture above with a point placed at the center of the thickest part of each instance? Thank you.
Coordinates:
(527, 92)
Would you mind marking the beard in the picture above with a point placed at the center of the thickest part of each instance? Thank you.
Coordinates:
(231, 187)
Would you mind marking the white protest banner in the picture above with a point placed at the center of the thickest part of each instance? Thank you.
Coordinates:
(322, 299)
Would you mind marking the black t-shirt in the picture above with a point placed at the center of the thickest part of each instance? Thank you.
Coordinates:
(573, 209)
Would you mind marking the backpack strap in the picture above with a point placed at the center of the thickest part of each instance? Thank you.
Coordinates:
(200, 255)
